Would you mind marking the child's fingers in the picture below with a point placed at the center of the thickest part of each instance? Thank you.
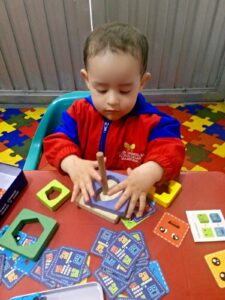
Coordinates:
(95, 175)
(117, 188)
(142, 204)
(84, 192)
(125, 196)
(129, 171)
(132, 205)
(75, 193)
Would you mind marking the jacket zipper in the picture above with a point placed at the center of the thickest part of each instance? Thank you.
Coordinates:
(104, 135)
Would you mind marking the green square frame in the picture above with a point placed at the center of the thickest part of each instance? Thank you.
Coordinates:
(32, 251)
(54, 204)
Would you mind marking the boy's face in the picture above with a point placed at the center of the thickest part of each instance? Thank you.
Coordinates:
(114, 81)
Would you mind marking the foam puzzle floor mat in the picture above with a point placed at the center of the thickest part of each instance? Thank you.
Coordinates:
(202, 130)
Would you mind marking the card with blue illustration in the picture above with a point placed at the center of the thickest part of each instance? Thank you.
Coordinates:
(112, 286)
(11, 276)
(2, 263)
(139, 236)
(207, 225)
(104, 238)
(113, 266)
(125, 249)
(154, 267)
(144, 285)
(69, 264)
(22, 263)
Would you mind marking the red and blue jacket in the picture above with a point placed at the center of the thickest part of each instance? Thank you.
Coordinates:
(145, 134)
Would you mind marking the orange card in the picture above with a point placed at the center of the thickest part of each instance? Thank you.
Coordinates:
(171, 229)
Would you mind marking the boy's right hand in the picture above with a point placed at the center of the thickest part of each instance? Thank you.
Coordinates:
(81, 172)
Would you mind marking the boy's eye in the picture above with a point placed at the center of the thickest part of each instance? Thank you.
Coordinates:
(125, 92)
(102, 91)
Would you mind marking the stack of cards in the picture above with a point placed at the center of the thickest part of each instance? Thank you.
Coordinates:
(125, 267)
(56, 268)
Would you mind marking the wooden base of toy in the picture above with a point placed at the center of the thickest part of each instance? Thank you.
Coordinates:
(110, 217)
(54, 185)
(31, 251)
(166, 198)
(109, 204)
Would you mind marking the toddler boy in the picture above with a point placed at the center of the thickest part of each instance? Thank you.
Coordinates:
(117, 120)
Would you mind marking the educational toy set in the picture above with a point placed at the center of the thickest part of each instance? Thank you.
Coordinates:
(12, 183)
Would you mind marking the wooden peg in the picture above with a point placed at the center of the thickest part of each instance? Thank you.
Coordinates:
(101, 165)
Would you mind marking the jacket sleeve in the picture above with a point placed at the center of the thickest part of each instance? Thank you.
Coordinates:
(165, 147)
(64, 141)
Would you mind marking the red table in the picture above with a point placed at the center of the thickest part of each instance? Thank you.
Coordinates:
(185, 269)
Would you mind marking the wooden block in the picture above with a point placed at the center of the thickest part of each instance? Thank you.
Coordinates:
(54, 185)
(112, 218)
(166, 198)
(31, 251)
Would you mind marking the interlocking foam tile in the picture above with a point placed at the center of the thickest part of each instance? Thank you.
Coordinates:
(215, 107)
(197, 123)
(29, 130)
(9, 157)
(13, 138)
(214, 162)
(191, 108)
(22, 150)
(35, 113)
(189, 135)
(206, 140)
(20, 120)
(213, 116)
(6, 114)
(197, 154)
(215, 129)
(220, 150)
(5, 127)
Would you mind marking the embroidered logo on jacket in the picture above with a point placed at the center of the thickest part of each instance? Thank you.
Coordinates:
(129, 155)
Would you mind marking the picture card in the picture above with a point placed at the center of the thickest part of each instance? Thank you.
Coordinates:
(144, 285)
(216, 263)
(125, 249)
(104, 238)
(206, 225)
(171, 229)
(111, 285)
(69, 264)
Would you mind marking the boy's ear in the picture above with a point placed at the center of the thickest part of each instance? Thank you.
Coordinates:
(145, 78)
(84, 74)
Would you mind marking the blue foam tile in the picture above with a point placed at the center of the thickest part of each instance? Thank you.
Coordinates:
(10, 112)
(13, 138)
(191, 108)
(216, 129)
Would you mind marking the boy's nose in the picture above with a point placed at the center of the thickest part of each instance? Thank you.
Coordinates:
(112, 99)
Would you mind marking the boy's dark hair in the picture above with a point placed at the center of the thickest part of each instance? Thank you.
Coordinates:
(117, 37)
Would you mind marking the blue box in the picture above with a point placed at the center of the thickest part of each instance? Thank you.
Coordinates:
(12, 182)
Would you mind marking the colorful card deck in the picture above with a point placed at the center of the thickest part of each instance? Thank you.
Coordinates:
(171, 229)
(216, 263)
(144, 285)
(104, 237)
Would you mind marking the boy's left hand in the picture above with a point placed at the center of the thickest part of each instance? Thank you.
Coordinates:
(136, 187)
